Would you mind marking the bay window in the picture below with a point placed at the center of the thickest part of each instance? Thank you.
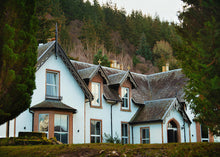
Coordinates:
(43, 123)
(61, 127)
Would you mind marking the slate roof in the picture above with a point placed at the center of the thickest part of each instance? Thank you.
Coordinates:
(149, 87)
(111, 94)
(43, 47)
(87, 73)
(53, 105)
(152, 111)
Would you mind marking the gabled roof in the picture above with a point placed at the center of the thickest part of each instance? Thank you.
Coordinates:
(153, 111)
(90, 72)
(119, 78)
(46, 50)
(149, 87)
(53, 105)
(159, 86)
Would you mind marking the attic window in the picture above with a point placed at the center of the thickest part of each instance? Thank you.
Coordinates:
(96, 93)
(125, 98)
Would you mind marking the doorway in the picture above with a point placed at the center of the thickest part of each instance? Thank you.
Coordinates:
(172, 132)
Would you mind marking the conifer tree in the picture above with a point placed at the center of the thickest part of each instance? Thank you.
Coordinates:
(144, 49)
(104, 59)
(17, 56)
(200, 59)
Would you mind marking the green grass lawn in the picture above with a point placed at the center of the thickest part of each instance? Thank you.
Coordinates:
(75, 150)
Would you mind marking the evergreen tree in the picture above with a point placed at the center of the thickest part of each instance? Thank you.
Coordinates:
(17, 56)
(104, 59)
(144, 49)
(200, 59)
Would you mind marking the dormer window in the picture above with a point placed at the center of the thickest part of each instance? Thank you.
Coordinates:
(52, 84)
(125, 98)
(96, 93)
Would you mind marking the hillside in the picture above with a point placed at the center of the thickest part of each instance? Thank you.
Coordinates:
(142, 42)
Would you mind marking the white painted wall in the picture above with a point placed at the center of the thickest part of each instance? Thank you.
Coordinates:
(71, 92)
(3, 130)
(193, 124)
(104, 114)
(100, 114)
(155, 133)
(173, 113)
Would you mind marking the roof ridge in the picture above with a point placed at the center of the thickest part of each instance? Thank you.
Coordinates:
(159, 100)
(52, 42)
(160, 73)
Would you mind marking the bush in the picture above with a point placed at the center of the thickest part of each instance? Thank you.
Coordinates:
(32, 135)
(110, 139)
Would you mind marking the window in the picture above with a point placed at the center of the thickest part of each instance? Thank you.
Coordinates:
(96, 131)
(145, 135)
(96, 94)
(44, 123)
(124, 133)
(204, 134)
(61, 127)
(52, 84)
(125, 98)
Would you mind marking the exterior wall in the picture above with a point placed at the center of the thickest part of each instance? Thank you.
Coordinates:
(155, 133)
(101, 113)
(71, 92)
(173, 114)
(3, 129)
(104, 114)
(193, 124)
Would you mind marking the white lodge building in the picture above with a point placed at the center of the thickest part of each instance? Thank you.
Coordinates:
(78, 102)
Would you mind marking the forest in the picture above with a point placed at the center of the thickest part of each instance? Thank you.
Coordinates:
(142, 42)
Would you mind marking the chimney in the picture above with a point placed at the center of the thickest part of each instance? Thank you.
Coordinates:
(121, 67)
(165, 68)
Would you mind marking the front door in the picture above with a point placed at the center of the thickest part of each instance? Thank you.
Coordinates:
(172, 132)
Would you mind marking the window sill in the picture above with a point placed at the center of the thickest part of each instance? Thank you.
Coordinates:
(98, 107)
(126, 110)
(59, 98)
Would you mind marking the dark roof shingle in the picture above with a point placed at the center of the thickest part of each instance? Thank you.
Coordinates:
(53, 105)
(152, 111)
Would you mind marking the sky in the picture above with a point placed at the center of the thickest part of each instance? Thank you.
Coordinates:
(166, 9)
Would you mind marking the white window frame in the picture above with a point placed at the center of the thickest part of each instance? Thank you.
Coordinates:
(122, 132)
(145, 139)
(94, 135)
(60, 132)
(96, 93)
(123, 89)
(53, 85)
(47, 132)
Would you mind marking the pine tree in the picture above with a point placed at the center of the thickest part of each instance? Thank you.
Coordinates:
(200, 59)
(104, 59)
(144, 49)
(17, 57)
